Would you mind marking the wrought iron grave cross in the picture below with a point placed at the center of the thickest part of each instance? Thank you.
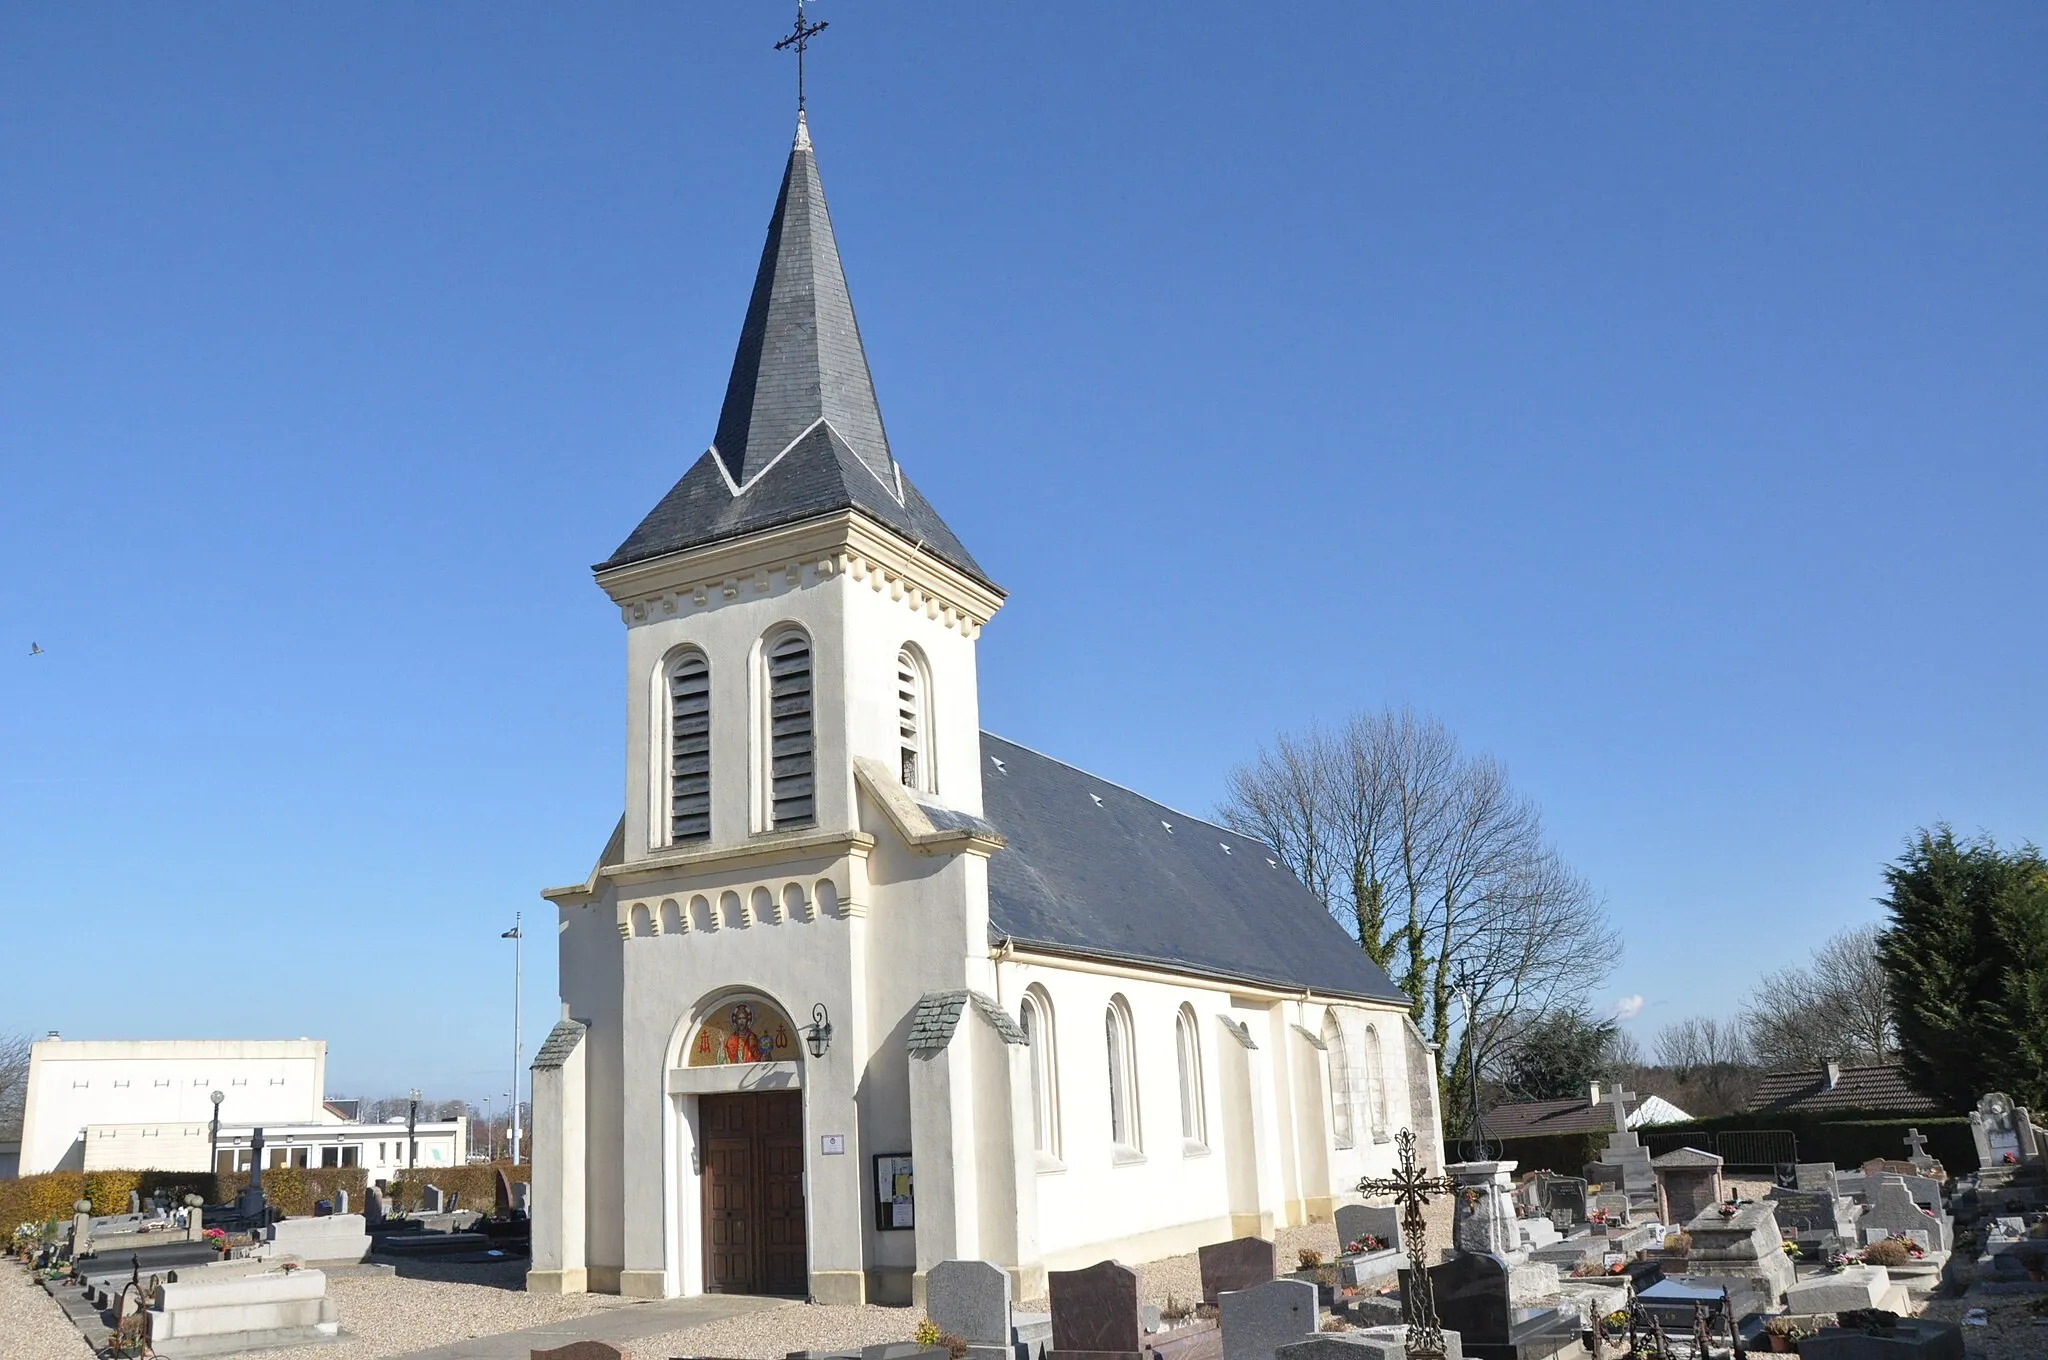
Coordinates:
(800, 38)
(1411, 1187)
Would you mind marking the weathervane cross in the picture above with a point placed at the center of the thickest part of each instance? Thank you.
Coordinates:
(800, 38)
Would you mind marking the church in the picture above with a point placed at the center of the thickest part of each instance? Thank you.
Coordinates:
(856, 987)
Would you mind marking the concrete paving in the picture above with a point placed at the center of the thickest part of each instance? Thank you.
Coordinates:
(613, 1324)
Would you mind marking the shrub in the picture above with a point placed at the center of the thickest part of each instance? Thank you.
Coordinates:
(1886, 1252)
(476, 1182)
(1678, 1243)
(956, 1346)
(1309, 1258)
(926, 1334)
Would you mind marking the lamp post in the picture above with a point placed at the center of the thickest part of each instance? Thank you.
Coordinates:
(213, 1131)
(515, 935)
(412, 1132)
(490, 1133)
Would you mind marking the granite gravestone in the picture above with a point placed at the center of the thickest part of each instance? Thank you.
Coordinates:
(1813, 1176)
(1472, 1299)
(373, 1208)
(1564, 1197)
(1095, 1309)
(1236, 1264)
(1688, 1183)
(1894, 1212)
(501, 1195)
(1356, 1222)
(1256, 1322)
(971, 1300)
(430, 1200)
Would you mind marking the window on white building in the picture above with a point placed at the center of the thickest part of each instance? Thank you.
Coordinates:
(1188, 1050)
(1035, 1012)
(791, 738)
(1123, 1077)
(689, 748)
(1375, 1083)
(1342, 1122)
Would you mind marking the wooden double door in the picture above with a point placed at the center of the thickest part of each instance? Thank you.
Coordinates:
(753, 1159)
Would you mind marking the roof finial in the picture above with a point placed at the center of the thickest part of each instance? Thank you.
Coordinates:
(800, 38)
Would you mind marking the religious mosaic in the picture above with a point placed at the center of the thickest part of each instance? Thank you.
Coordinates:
(748, 1030)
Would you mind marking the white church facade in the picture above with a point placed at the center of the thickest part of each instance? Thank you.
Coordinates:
(855, 987)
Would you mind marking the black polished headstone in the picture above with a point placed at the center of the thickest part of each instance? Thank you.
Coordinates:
(1095, 1309)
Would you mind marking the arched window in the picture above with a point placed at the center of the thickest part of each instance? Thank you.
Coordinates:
(1375, 1083)
(1123, 1077)
(792, 786)
(689, 749)
(913, 721)
(1188, 1049)
(1035, 1014)
(1342, 1131)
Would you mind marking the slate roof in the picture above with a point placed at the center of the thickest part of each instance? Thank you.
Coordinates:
(1875, 1086)
(938, 1014)
(800, 433)
(556, 1048)
(1092, 868)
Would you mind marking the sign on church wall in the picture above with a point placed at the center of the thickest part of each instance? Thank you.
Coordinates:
(745, 1029)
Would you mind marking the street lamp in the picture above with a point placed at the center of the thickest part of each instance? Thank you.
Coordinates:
(412, 1132)
(490, 1133)
(516, 936)
(213, 1131)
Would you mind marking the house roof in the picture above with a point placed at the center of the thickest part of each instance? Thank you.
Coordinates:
(800, 433)
(1094, 869)
(1576, 1114)
(1874, 1086)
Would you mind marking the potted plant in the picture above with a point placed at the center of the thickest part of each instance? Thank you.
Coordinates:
(1781, 1335)
(217, 1238)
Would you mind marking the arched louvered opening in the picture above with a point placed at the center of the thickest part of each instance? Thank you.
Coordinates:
(913, 721)
(1375, 1082)
(792, 747)
(689, 748)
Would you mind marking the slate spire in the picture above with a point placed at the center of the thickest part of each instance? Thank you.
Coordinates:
(800, 357)
(800, 434)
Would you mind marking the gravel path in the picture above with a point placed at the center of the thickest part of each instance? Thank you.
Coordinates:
(2013, 1334)
(32, 1326)
(385, 1315)
(775, 1333)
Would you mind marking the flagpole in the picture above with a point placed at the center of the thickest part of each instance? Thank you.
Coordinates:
(518, 938)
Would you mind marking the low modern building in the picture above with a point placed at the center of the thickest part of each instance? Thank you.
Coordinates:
(147, 1105)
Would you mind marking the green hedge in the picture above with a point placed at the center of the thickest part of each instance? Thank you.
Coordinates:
(291, 1189)
(1847, 1142)
(476, 1182)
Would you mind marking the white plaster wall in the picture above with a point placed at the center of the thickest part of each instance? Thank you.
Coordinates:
(380, 1149)
(592, 971)
(73, 1083)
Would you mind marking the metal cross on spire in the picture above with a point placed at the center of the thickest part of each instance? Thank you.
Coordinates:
(800, 38)
(1411, 1186)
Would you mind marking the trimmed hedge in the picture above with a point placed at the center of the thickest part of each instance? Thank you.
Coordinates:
(292, 1189)
(476, 1182)
(1846, 1142)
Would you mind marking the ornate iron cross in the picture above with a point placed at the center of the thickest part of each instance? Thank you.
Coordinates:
(800, 39)
(1411, 1188)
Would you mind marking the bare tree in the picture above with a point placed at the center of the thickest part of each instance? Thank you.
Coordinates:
(13, 1080)
(1708, 1063)
(1437, 865)
(1834, 1008)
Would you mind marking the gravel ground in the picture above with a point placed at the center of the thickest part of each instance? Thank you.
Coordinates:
(2013, 1333)
(32, 1326)
(385, 1315)
(775, 1333)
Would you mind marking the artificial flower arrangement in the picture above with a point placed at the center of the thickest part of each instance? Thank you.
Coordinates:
(1365, 1244)
(1792, 1249)
(2010, 1159)
(217, 1239)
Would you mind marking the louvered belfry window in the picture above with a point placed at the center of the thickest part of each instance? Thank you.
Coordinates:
(689, 750)
(910, 718)
(792, 784)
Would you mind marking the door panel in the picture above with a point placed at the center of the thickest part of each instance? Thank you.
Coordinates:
(753, 1159)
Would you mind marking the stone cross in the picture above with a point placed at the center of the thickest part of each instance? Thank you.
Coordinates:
(1412, 1189)
(1619, 1099)
(1917, 1143)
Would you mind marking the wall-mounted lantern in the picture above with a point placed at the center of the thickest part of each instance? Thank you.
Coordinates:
(819, 1036)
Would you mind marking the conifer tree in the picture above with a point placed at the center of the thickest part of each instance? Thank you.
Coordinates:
(1966, 961)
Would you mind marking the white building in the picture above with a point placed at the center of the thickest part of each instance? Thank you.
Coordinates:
(1065, 1022)
(147, 1105)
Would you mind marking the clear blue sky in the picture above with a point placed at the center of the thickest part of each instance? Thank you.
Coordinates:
(1659, 395)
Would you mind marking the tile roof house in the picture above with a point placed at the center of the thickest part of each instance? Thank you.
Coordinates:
(1540, 1118)
(1880, 1088)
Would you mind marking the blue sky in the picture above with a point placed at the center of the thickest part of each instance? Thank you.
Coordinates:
(1656, 395)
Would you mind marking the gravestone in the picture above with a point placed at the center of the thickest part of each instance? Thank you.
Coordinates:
(1238, 1264)
(1256, 1322)
(206, 1314)
(373, 1207)
(1472, 1299)
(341, 1201)
(134, 1201)
(1746, 1246)
(1905, 1339)
(1483, 1214)
(971, 1300)
(1815, 1213)
(581, 1350)
(430, 1200)
(1095, 1309)
(1850, 1287)
(501, 1194)
(1992, 1126)
(1688, 1183)
(1814, 1176)
(522, 1198)
(1894, 1212)
(1355, 1222)
(336, 1238)
(1565, 1195)
(1364, 1343)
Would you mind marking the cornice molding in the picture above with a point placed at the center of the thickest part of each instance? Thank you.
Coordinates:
(845, 542)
